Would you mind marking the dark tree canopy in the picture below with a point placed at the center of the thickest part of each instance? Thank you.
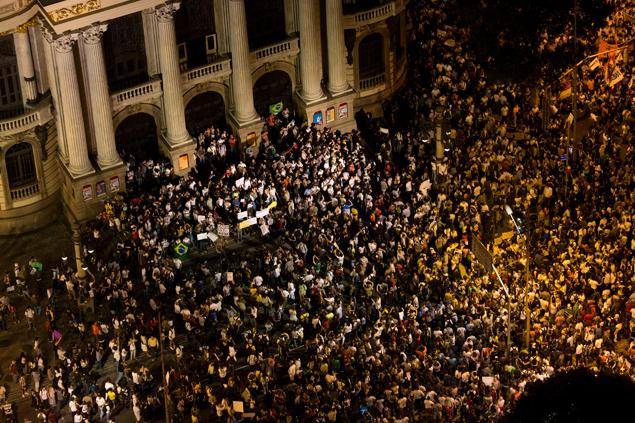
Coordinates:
(576, 396)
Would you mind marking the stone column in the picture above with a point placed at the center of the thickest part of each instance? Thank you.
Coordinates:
(221, 23)
(241, 75)
(291, 16)
(78, 162)
(59, 113)
(310, 50)
(77, 249)
(171, 75)
(150, 40)
(25, 64)
(100, 106)
(39, 61)
(336, 49)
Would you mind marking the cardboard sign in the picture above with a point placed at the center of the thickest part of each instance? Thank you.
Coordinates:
(248, 222)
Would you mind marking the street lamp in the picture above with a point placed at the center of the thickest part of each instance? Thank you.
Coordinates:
(510, 213)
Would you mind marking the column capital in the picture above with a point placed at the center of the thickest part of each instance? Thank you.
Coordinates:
(63, 43)
(93, 34)
(166, 12)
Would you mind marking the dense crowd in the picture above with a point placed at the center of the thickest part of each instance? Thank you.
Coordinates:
(369, 305)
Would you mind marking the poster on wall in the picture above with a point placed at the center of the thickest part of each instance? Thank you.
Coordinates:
(184, 161)
(343, 111)
(100, 189)
(87, 192)
(114, 184)
(330, 114)
(251, 138)
(318, 118)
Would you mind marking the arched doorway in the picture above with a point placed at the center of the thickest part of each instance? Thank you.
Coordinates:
(270, 89)
(137, 135)
(205, 109)
(371, 56)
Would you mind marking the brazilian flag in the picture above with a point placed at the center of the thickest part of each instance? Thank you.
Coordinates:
(37, 265)
(181, 249)
(276, 108)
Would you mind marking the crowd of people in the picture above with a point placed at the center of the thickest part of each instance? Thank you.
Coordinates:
(370, 304)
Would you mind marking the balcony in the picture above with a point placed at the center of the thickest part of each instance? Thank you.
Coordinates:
(141, 93)
(376, 14)
(215, 71)
(39, 114)
(281, 50)
(24, 192)
(369, 86)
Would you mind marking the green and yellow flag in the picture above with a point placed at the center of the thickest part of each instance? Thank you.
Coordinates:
(180, 249)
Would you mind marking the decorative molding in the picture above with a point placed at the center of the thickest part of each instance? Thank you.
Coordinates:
(74, 10)
(64, 44)
(166, 12)
(7, 8)
(47, 33)
(350, 36)
(93, 34)
(25, 26)
(41, 133)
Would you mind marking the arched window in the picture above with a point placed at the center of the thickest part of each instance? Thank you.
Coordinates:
(371, 56)
(20, 165)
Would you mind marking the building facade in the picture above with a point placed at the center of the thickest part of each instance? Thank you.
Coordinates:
(84, 83)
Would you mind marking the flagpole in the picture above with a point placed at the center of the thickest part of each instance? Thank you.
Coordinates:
(592, 56)
(575, 84)
(574, 92)
(166, 397)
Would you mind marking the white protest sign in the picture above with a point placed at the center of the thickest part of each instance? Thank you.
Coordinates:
(262, 213)
(223, 230)
(242, 215)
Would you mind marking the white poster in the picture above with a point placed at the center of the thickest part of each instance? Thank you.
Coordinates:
(223, 230)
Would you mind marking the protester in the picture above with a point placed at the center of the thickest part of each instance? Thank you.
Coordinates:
(364, 298)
